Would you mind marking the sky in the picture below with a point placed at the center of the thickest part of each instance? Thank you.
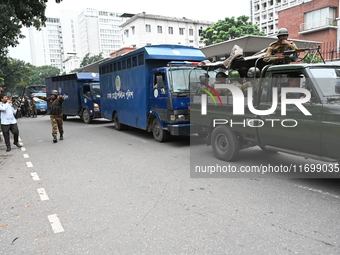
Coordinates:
(201, 10)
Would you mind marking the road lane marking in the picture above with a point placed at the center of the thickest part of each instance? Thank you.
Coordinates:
(26, 156)
(55, 223)
(319, 191)
(42, 194)
(29, 164)
(35, 176)
(23, 149)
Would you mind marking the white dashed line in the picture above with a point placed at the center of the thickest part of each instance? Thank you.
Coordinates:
(42, 194)
(23, 149)
(35, 176)
(29, 164)
(26, 156)
(55, 223)
(319, 191)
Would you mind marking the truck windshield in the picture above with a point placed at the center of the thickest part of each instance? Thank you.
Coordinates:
(185, 79)
(328, 80)
(95, 90)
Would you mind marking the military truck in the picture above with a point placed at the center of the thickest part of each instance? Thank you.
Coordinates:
(307, 125)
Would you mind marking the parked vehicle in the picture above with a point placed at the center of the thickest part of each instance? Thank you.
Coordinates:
(148, 89)
(81, 92)
(41, 105)
(307, 125)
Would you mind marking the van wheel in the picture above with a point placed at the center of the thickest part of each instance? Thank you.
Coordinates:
(86, 117)
(225, 143)
(159, 134)
(118, 125)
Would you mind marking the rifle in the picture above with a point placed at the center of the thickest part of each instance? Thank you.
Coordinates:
(22, 96)
(293, 54)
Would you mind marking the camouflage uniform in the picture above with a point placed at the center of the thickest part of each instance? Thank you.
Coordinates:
(34, 108)
(56, 114)
(250, 83)
(275, 48)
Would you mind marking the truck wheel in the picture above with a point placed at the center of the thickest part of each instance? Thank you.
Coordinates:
(86, 117)
(118, 125)
(225, 143)
(159, 134)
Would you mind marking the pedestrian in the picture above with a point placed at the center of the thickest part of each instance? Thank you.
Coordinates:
(56, 113)
(8, 121)
(280, 46)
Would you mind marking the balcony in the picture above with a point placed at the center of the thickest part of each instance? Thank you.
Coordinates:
(317, 25)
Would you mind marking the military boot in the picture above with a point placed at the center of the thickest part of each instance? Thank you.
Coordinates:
(55, 139)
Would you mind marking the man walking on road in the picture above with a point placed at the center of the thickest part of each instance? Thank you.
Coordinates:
(8, 121)
(56, 113)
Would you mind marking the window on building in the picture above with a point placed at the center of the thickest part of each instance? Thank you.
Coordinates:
(148, 28)
(181, 31)
(200, 32)
(159, 29)
(319, 18)
(191, 31)
(133, 30)
(171, 30)
(126, 33)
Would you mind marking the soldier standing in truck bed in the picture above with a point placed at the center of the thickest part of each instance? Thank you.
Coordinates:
(279, 46)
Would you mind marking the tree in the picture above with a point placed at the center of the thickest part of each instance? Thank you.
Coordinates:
(229, 28)
(39, 73)
(15, 15)
(87, 60)
(15, 74)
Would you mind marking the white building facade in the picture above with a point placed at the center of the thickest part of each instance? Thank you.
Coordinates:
(147, 29)
(79, 33)
(264, 13)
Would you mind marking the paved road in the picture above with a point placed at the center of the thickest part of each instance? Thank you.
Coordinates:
(101, 191)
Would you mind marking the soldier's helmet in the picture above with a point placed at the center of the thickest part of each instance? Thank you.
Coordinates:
(221, 75)
(282, 31)
(54, 92)
(204, 77)
(234, 74)
(253, 71)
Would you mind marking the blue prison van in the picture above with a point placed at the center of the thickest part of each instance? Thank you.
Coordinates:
(148, 88)
(81, 92)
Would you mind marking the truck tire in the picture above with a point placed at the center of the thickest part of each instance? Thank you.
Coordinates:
(225, 143)
(86, 117)
(118, 125)
(158, 132)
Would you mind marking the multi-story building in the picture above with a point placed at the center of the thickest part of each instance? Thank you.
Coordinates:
(90, 31)
(147, 29)
(314, 20)
(47, 44)
(264, 13)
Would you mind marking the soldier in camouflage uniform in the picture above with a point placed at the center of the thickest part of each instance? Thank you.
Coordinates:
(34, 109)
(221, 78)
(279, 46)
(251, 82)
(56, 113)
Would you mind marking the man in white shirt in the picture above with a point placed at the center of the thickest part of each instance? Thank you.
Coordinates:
(8, 121)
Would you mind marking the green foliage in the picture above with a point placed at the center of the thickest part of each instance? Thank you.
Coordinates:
(310, 58)
(39, 73)
(15, 15)
(229, 28)
(16, 74)
(89, 60)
